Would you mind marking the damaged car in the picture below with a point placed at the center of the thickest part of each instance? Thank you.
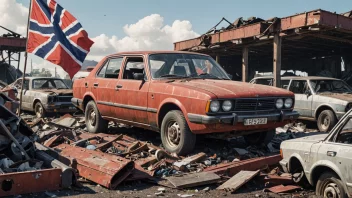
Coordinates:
(323, 160)
(320, 99)
(43, 95)
(179, 94)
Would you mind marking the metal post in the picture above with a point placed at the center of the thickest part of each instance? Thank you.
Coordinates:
(277, 60)
(25, 58)
(9, 56)
(245, 64)
(18, 65)
(218, 59)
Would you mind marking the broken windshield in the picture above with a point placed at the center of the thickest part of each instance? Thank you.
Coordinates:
(176, 65)
(330, 86)
(49, 84)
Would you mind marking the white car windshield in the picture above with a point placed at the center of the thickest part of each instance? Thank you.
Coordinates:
(330, 86)
(49, 84)
(176, 65)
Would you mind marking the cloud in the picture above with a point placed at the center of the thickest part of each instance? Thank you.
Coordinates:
(13, 16)
(149, 33)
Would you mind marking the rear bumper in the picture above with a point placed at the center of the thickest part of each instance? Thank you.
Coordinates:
(234, 118)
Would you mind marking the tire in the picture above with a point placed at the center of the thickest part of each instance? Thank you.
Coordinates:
(326, 120)
(94, 122)
(260, 137)
(39, 110)
(176, 135)
(329, 184)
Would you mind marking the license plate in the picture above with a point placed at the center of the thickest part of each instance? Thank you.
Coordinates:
(255, 121)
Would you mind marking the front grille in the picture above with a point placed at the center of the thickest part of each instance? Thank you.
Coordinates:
(254, 104)
(64, 99)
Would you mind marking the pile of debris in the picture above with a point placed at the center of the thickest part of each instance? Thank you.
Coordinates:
(24, 168)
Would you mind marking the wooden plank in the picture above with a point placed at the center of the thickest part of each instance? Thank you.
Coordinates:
(180, 165)
(193, 179)
(238, 180)
(245, 64)
(277, 60)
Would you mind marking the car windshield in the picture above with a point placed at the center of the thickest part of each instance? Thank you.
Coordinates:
(330, 86)
(176, 65)
(49, 84)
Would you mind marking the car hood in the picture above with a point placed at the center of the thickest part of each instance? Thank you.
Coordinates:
(228, 89)
(59, 92)
(309, 139)
(345, 97)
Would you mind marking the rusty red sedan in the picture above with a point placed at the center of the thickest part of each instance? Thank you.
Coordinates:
(179, 94)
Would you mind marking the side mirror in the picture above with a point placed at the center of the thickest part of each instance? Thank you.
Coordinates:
(138, 76)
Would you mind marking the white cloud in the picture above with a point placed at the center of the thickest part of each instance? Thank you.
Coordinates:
(149, 33)
(13, 16)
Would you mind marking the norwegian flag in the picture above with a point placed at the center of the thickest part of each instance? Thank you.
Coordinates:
(55, 35)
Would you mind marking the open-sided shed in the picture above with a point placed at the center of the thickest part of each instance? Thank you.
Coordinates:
(310, 42)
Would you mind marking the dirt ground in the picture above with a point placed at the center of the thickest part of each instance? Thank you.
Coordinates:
(253, 188)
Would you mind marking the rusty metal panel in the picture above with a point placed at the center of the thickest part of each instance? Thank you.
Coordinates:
(13, 42)
(242, 32)
(233, 168)
(335, 21)
(30, 182)
(283, 189)
(344, 22)
(105, 169)
(187, 44)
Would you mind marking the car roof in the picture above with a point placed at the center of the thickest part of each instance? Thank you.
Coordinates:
(155, 52)
(299, 78)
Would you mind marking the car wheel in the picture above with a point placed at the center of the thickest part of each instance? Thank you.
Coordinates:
(329, 185)
(260, 137)
(326, 120)
(95, 123)
(176, 135)
(39, 110)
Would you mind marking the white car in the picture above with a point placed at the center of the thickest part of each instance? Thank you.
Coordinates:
(324, 160)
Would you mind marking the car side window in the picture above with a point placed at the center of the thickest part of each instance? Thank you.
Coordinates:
(134, 68)
(102, 71)
(113, 68)
(299, 86)
(345, 135)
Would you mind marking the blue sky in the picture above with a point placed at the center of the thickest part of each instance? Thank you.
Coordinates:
(109, 16)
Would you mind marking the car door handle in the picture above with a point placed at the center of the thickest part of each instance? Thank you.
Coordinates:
(118, 87)
(95, 85)
(331, 153)
(86, 84)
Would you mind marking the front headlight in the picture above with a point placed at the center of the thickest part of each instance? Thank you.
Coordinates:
(227, 105)
(214, 106)
(288, 103)
(279, 103)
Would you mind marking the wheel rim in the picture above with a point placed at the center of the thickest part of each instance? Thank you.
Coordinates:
(39, 110)
(91, 115)
(173, 133)
(331, 190)
(325, 122)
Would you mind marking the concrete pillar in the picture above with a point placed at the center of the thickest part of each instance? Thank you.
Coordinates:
(277, 60)
(245, 64)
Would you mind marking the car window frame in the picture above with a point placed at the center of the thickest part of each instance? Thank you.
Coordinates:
(107, 66)
(303, 80)
(124, 65)
(106, 63)
(333, 137)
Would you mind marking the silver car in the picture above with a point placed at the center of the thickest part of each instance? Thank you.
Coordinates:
(44, 95)
(320, 99)
(324, 160)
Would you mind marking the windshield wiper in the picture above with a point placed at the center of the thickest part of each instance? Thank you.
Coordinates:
(172, 76)
(210, 75)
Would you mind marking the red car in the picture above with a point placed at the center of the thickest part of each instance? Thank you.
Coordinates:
(179, 94)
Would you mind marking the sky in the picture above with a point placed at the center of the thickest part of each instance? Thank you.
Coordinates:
(125, 25)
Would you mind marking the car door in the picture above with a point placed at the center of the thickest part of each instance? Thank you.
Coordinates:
(338, 150)
(303, 100)
(103, 86)
(131, 91)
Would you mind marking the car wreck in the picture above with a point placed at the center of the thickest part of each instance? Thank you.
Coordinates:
(322, 99)
(179, 94)
(323, 160)
(44, 95)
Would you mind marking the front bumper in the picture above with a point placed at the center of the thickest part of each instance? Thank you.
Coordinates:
(60, 107)
(234, 118)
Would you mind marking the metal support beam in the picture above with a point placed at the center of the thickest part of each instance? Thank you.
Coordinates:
(277, 60)
(218, 59)
(245, 64)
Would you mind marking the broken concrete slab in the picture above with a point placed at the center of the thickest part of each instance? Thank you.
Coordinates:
(193, 179)
(238, 180)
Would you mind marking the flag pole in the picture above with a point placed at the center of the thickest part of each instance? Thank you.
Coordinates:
(25, 57)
